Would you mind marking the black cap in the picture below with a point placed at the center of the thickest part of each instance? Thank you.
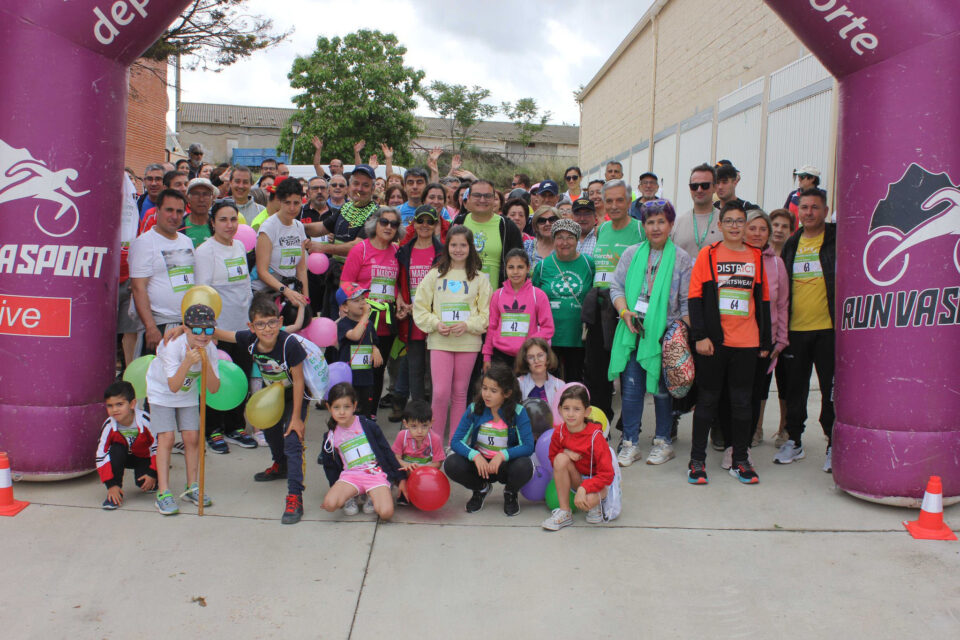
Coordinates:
(426, 210)
(199, 315)
(584, 203)
(549, 186)
(648, 174)
(366, 170)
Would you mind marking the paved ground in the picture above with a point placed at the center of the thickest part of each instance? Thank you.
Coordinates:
(789, 558)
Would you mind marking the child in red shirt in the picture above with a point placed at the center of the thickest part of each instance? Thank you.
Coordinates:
(581, 460)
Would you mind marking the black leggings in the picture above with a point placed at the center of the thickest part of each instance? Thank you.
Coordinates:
(571, 363)
(513, 473)
(121, 459)
(730, 369)
(809, 349)
(224, 422)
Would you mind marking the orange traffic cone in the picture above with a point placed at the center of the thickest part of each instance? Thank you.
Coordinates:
(8, 506)
(930, 524)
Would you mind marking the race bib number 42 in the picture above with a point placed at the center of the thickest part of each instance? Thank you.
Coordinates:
(515, 325)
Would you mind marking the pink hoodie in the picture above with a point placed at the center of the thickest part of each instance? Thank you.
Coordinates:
(516, 316)
(779, 288)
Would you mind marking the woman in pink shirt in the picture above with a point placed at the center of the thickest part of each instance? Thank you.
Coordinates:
(373, 265)
(758, 234)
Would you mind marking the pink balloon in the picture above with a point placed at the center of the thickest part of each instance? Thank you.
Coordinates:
(223, 355)
(321, 331)
(555, 403)
(247, 236)
(318, 263)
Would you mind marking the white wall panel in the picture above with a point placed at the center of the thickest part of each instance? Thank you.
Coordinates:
(795, 76)
(738, 140)
(665, 165)
(694, 149)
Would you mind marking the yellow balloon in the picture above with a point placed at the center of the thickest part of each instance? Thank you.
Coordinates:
(265, 407)
(202, 294)
(597, 415)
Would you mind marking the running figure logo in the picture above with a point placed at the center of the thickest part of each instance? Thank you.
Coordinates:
(919, 207)
(23, 176)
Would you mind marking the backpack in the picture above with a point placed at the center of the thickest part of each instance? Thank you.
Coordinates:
(316, 374)
(677, 359)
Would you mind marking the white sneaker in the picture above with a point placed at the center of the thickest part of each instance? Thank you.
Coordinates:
(350, 507)
(727, 461)
(594, 516)
(178, 448)
(789, 453)
(828, 464)
(628, 453)
(368, 505)
(558, 520)
(661, 452)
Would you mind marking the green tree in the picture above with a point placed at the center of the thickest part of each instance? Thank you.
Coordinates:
(463, 108)
(352, 89)
(526, 116)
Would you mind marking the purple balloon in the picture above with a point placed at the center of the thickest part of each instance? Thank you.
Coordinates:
(543, 451)
(339, 372)
(537, 487)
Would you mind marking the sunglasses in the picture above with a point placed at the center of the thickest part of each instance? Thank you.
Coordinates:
(199, 331)
(571, 178)
(425, 220)
(700, 186)
(804, 176)
(383, 222)
(483, 196)
(551, 220)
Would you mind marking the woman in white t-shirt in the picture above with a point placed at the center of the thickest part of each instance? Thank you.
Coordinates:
(222, 264)
(281, 260)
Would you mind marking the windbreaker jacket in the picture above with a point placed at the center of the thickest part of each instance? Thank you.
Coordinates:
(333, 465)
(143, 446)
(520, 441)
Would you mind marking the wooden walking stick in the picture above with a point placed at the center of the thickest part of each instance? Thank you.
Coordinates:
(203, 427)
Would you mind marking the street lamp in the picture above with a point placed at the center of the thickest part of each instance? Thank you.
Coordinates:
(295, 128)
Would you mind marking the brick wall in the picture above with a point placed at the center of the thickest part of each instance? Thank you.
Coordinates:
(146, 116)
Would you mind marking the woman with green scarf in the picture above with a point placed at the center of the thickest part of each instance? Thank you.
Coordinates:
(649, 291)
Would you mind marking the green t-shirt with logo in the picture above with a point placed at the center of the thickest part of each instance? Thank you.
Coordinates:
(486, 237)
(611, 244)
(566, 285)
(198, 233)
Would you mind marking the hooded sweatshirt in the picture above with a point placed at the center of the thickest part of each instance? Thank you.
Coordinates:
(516, 316)
(595, 459)
(449, 299)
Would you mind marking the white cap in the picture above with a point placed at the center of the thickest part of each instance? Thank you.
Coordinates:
(807, 169)
(201, 182)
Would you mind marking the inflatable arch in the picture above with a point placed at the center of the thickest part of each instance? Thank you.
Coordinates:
(898, 281)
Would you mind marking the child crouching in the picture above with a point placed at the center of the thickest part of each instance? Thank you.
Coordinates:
(125, 443)
(416, 445)
(356, 456)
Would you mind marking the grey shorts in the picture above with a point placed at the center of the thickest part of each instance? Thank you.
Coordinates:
(163, 419)
(126, 323)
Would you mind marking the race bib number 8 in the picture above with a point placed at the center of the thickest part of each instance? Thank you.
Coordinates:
(453, 312)
(382, 289)
(807, 267)
(734, 302)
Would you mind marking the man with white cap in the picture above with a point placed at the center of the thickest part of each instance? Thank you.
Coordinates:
(808, 177)
(200, 195)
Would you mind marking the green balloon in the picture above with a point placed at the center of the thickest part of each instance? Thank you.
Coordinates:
(136, 374)
(233, 387)
(553, 502)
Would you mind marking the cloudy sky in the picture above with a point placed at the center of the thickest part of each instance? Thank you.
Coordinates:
(515, 49)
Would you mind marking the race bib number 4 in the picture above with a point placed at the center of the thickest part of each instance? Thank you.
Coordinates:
(515, 325)
(453, 312)
(734, 302)
(289, 257)
(236, 269)
(807, 267)
(181, 278)
(361, 356)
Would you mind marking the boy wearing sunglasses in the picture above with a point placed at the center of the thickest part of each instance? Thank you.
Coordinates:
(172, 379)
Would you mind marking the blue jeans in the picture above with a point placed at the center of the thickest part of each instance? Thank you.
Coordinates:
(633, 385)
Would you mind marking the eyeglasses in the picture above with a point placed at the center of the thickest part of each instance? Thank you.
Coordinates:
(337, 185)
(426, 220)
(536, 357)
(571, 178)
(551, 220)
(700, 186)
(272, 323)
(483, 196)
(734, 222)
(383, 222)
(199, 331)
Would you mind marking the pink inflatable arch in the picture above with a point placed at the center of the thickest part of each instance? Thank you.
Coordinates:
(64, 87)
(898, 243)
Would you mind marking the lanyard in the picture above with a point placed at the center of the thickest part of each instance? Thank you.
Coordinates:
(649, 274)
(696, 233)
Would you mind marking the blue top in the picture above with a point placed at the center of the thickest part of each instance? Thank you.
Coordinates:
(520, 440)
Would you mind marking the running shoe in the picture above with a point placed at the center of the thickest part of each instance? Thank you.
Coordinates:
(273, 472)
(558, 519)
(166, 504)
(294, 509)
(697, 472)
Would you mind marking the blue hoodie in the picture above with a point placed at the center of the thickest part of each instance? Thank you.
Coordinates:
(520, 442)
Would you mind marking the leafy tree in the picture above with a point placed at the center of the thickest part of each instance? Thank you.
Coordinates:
(463, 107)
(526, 116)
(213, 34)
(352, 89)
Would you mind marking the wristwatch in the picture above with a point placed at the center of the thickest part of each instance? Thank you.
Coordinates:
(282, 288)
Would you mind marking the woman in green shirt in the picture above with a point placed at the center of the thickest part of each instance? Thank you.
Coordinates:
(566, 276)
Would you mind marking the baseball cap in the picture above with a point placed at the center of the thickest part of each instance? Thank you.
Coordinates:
(549, 186)
(522, 194)
(201, 182)
(199, 315)
(535, 189)
(366, 170)
(648, 174)
(584, 203)
(808, 170)
(426, 210)
(565, 224)
(196, 147)
(349, 291)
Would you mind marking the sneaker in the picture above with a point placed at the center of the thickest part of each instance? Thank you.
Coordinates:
(217, 444)
(511, 504)
(402, 501)
(367, 505)
(192, 493)
(396, 413)
(108, 505)
(828, 463)
(177, 448)
(595, 515)
(475, 503)
(350, 507)
(558, 520)
(789, 453)
(260, 438)
(661, 452)
(166, 504)
(628, 453)
(273, 472)
(697, 472)
(727, 461)
(743, 471)
(241, 439)
(294, 509)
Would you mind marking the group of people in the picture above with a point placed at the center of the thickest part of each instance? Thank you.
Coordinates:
(505, 307)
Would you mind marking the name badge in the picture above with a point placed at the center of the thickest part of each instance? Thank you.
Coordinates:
(641, 306)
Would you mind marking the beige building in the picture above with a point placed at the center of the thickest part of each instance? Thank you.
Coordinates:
(698, 81)
(221, 128)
